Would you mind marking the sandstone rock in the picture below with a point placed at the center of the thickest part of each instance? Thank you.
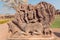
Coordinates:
(34, 19)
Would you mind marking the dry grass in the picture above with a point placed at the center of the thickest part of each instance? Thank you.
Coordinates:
(2, 21)
(56, 23)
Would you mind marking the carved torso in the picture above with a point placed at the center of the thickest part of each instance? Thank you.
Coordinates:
(30, 15)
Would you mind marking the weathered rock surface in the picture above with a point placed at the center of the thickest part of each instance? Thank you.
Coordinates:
(33, 20)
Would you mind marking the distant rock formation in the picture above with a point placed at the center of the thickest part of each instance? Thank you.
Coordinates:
(57, 12)
(6, 16)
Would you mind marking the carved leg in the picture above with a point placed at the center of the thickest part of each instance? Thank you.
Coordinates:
(37, 32)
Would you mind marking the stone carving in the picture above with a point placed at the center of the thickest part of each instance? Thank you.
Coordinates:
(33, 20)
(30, 16)
(33, 28)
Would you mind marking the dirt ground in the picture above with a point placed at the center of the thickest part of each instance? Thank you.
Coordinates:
(4, 32)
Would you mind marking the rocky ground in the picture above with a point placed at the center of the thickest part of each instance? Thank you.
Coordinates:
(4, 32)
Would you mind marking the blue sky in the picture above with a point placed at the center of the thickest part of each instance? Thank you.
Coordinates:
(4, 10)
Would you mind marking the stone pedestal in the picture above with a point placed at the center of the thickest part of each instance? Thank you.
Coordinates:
(32, 37)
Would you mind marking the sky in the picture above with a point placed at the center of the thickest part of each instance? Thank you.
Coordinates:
(6, 10)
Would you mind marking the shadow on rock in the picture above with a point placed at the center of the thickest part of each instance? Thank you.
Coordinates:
(57, 34)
